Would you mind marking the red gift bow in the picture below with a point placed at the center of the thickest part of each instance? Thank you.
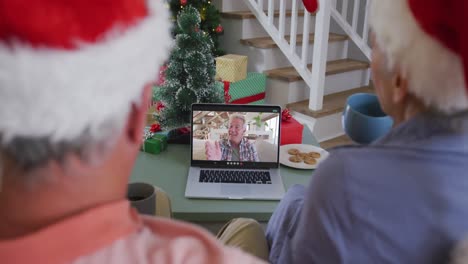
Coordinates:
(243, 100)
(227, 96)
(155, 128)
(285, 115)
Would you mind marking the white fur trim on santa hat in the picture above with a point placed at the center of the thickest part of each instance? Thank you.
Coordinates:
(434, 73)
(61, 93)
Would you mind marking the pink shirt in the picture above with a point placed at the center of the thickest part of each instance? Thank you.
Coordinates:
(115, 233)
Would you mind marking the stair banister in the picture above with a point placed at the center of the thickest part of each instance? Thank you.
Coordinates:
(319, 61)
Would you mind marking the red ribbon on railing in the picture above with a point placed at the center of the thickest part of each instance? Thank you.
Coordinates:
(311, 5)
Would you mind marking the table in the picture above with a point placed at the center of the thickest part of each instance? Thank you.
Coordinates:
(169, 169)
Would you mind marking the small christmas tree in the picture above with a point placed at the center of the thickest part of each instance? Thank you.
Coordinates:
(189, 74)
(210, 19)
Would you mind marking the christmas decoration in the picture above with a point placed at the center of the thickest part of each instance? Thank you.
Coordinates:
(162, 75)
(219, 29)
(311, 5)
(153, 142)
(189, 74)
(231, 67)
(285, 115)
(291, 132)
(210, 20)
(251, 90)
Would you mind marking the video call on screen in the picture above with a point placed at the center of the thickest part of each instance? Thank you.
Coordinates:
(235, 136)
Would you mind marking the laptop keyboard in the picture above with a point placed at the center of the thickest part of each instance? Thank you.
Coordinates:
(235, 176)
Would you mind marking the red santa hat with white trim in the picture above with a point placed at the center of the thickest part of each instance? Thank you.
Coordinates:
(428, 39)
(73, 65)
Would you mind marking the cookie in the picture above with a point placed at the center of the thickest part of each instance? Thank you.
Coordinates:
(314, 155)
(303, 155)
(295, 159)
(310, 161)
(293, 151)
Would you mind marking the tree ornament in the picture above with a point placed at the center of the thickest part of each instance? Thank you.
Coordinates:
(183, 2)
(219, 29)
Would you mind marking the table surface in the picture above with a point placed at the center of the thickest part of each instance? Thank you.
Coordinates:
(169, 169)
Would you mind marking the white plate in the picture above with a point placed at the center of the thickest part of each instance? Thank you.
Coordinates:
(284, 155)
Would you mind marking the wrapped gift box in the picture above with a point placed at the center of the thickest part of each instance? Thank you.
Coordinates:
(251, 90)
(155, 144)
(231, 68)
(291, 132)
(150, 118)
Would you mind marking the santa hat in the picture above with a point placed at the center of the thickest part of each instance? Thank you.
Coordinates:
(428, 39)
(72, 66)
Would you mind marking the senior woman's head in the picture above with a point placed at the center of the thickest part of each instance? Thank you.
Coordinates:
(418, 56)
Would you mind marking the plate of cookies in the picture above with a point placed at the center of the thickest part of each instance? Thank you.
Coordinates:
(302, 156)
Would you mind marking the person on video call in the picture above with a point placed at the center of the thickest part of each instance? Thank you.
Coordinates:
(73, 103)
(236, 147)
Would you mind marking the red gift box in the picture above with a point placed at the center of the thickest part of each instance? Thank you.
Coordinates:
(291, 132)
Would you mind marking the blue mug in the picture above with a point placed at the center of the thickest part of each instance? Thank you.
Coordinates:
(364, 120)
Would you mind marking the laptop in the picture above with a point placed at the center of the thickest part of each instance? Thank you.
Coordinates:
(235, 152)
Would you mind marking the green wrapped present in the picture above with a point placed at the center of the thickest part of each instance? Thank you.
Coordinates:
(154, 144)
(251, 90)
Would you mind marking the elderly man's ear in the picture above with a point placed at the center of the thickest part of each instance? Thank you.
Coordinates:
(137, 117)
(399, 88)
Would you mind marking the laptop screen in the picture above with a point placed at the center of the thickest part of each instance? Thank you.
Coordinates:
(237, 136)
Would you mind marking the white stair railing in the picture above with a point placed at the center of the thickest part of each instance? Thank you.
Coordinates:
(314, 77)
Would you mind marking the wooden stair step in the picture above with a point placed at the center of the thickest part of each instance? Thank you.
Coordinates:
(335, 142)
(332, 103)
(268, 43)
(290, 74)
(250, 15)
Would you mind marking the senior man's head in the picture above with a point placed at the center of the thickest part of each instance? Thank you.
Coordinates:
(419, 54)
(72, 78)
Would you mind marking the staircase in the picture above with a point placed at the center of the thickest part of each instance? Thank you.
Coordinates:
(282, 43)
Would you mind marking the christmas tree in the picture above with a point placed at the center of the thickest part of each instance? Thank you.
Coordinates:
(210, 19)
(189, 74)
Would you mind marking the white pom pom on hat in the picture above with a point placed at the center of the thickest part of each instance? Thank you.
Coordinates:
(429, 40)
(70, 66)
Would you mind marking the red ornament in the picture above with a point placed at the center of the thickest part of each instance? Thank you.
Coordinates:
(155, 128)
(311, 5)
(162, 75)
(285, 115)
(183, 2)
(159, 106)
(219, 29)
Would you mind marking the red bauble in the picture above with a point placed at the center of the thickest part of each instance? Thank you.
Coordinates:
(311, 5)
(155, 128)
(219, 29)
(183, 2)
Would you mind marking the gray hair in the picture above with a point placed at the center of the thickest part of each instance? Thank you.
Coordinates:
(29, 153)
(238, 116)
